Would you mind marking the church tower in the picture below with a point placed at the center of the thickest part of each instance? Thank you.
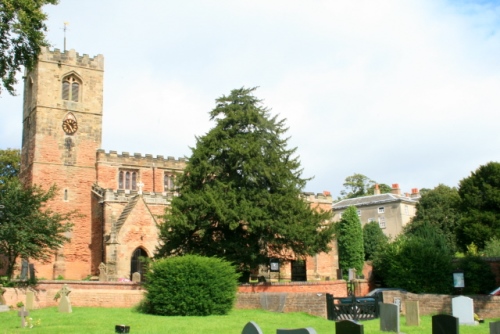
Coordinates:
(62, 127)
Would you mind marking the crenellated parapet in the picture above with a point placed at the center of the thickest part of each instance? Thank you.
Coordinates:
(137, 160)
(110, 195)
(73, 58)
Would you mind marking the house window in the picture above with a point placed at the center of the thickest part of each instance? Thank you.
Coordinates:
(381, 209)
(381, 222)
(359, 213)
(168, 182)
(71, 88)
(127, 179)
(406, 210)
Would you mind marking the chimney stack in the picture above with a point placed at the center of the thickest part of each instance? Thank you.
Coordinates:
(376, 191)
(395, 189)
(415, 193)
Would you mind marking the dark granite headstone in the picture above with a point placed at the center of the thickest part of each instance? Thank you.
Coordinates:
(24, 269)
(251, 328)
(31, 268)
(389, 317)
(348, 327)
(495, 327)
(444, 324)
(122, 329)
(307, 330)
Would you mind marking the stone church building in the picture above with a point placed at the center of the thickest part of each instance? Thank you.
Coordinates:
(120, 196)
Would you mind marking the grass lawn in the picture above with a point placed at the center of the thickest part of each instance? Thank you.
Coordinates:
(103, 320)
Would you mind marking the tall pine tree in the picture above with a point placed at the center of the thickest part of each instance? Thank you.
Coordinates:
(240, 193)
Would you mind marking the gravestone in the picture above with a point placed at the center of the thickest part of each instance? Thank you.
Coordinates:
(444, 324)
(348, 327)
(24, 269)
(23, 314)
(412, 313)
(463, 309)
(136, 277)
(122, 329)
(307, 330)
(31, 269)
(30, 297)
(495, 327)
(64, 303)
(3, 306)
(251, 328)
(103, 275)
(389, 317)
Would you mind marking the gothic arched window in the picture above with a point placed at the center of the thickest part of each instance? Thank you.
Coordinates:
(127, 179)
(71, 88)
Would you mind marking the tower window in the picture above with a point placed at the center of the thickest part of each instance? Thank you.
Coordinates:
(168, 182)
(71, 88)
(127, 179)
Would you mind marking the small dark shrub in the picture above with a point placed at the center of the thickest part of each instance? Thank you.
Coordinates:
(190, 286)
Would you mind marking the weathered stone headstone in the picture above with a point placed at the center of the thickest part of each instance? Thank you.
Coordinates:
(389, 317)
(463, 309)
(136, 277)
(23, 314)
(495, 327)
(251, 328)
(412, 313)
(348, 327)
(307, 330)
(444, 324)
(103, 275)
(64, 303)
(24, 269)
(30, 297)
(31, 269)
(2, 291)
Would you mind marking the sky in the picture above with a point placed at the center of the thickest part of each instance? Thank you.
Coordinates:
(403, 92)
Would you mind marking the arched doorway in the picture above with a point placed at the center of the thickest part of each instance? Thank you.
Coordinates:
(137, 264)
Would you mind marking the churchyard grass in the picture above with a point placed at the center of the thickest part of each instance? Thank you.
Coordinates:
(103, 320)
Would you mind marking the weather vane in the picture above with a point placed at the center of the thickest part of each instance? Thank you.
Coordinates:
(65, 25)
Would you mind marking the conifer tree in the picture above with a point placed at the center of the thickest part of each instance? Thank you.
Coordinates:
(240, 193)
(350, 240)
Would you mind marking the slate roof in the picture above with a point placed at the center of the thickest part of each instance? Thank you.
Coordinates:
(371, 200)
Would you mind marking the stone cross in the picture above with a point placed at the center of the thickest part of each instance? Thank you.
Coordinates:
(23, 314)
(64, 303)
(140, 185)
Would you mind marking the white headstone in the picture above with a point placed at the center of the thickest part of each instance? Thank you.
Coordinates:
(463, 308)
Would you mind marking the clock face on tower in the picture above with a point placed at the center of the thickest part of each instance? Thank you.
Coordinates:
(70, 126)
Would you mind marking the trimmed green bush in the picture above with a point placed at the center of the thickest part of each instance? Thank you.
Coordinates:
(478, 276)
(190, 285)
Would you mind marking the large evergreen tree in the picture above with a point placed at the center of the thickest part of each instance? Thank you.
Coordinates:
(240, 193)
(374, 239)
(350, 240)
(480, 206)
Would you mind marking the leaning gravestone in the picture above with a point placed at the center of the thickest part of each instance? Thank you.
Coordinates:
(3, 306)
(412, 313)
(389, 317)
(463, 309)
(307, 330)
(251, 328)
(30, 297)
(348, 327)
(495, 327)
(444, 324)
(64, 303)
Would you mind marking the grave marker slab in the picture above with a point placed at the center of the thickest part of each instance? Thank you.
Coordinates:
(64, 303)
(23, 314)
(136, 277)
(389, 317)
(251, 328)
(495, 327)
(103, 275)
(307, 330)
(348, 327)
(30, 297)
(463, 309)
(2, 291)
(24, 269)
(31, 269)
(444, 324)
(412, 313)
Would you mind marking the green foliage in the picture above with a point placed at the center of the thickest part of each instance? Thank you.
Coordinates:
(22, 34)
(438, 207)
(359, 185)
(492, 247)
(10, 164)
(480, 206)
(374, 239)
(240, 194)
(420, 263)
(350, 240)
(28, 229)
(478, 276)
(190, 285)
